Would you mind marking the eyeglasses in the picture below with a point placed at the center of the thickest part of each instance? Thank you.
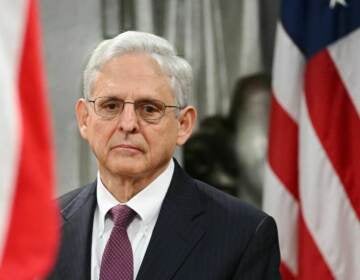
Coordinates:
(150, 110)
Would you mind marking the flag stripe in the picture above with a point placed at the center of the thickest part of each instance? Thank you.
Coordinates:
(277, 199)
(284, 160)
(326, 209)
(287, 93)
(11, 31)
(329, 103)
(32, 237)
(311, 262)
(286, 274)
(345, 55)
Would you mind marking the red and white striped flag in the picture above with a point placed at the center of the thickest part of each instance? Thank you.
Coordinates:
(28, 217)
(312, 182)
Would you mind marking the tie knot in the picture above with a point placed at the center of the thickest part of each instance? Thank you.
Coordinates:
(122, 215)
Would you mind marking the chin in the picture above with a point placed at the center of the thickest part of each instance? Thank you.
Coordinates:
(128, 169)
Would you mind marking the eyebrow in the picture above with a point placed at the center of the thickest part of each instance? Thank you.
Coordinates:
(112, 97)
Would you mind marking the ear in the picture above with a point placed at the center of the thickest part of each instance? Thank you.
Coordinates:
(187, 121)
(82, 115)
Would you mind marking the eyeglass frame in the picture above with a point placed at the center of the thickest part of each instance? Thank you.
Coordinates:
(163, 111)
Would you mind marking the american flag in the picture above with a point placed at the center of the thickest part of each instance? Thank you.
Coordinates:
(28, 219)
(312, 181)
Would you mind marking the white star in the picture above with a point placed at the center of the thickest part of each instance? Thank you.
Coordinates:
(334, 2)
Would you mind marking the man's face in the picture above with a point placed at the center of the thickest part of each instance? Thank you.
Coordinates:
(128, 146)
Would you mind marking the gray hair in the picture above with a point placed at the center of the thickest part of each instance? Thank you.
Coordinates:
(177, 68)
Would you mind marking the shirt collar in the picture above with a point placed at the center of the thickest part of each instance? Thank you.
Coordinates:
(146, 203)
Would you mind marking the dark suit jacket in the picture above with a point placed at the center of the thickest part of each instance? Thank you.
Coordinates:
(201, 234)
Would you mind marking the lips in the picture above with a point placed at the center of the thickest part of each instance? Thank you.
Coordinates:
(127, 147)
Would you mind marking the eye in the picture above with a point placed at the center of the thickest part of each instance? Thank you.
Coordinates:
(110, 105)
(150, 108)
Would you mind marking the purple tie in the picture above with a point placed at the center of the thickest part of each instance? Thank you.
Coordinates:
(117, 260)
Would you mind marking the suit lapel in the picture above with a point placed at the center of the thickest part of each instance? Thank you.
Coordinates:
(77, 233)
(178, 229)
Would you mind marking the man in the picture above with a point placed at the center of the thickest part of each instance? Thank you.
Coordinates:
(134, 114)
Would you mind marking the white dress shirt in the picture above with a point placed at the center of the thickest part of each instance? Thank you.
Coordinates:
(146, 204)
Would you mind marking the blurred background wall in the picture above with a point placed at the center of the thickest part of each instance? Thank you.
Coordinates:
(225, 42)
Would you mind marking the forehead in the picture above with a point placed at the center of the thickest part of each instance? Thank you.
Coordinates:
(135, 73)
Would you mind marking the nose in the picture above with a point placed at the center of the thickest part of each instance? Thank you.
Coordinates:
(128, 121)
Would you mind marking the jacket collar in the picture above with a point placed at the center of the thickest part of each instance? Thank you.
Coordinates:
(179, 227)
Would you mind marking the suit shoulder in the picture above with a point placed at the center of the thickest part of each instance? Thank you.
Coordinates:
(67, 198)
(230, 207)
(241, 223)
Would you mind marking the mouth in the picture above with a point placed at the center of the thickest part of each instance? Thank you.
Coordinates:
(127, 148)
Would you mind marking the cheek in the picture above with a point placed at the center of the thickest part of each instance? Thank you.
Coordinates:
(162, 139)
(100, 135)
